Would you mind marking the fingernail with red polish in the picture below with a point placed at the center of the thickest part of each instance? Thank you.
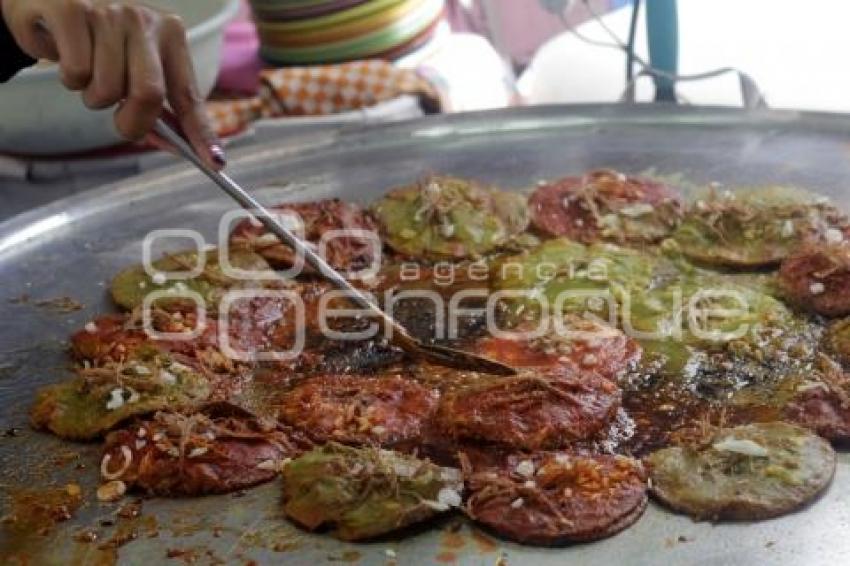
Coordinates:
(218, 155)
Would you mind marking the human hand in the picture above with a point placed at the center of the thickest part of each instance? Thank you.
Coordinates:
(119, 53)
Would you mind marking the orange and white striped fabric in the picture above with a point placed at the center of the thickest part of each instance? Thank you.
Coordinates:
(321, 90)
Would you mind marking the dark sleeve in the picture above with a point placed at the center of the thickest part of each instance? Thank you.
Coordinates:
(12, 59)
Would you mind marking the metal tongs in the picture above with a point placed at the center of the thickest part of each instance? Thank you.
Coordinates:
(398, 335)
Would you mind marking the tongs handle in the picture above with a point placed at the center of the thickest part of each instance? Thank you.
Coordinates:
(273, 225)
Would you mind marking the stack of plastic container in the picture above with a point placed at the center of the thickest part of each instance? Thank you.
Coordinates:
(306, 32)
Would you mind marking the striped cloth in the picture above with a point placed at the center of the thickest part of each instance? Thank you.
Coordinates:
(304, 32)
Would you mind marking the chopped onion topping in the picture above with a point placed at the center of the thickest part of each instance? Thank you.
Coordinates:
(517, 503)
(177, 366)
(91, 327)
(267, 239)
(741, 446)
(116, 399)
(167, 377)
(636, 210)
(562, 459)
(450, 474)
(525, 468)
(139, 369)
(134, 395)
(834, 236)
(787, 229)
(126, 453)
(811, 385)
(269, 465)
(610, 221)
(449, 497)
(404, 469)
(197, 452)
(817, 288)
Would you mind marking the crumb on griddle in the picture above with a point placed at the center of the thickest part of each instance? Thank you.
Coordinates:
(60, 305)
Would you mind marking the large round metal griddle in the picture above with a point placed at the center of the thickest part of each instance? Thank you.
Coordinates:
(73, 247)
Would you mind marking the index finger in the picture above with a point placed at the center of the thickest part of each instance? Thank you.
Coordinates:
(183, 95)
(70, 31)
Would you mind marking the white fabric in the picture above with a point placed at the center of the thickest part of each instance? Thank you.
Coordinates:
(467, 70)
(793, 49)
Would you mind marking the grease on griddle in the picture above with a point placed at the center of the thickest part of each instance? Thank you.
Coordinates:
(194, 555)
(59, 305)
(131, 510)
(36, 511)
(275, 537)
(130, 528)
(345, 556)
